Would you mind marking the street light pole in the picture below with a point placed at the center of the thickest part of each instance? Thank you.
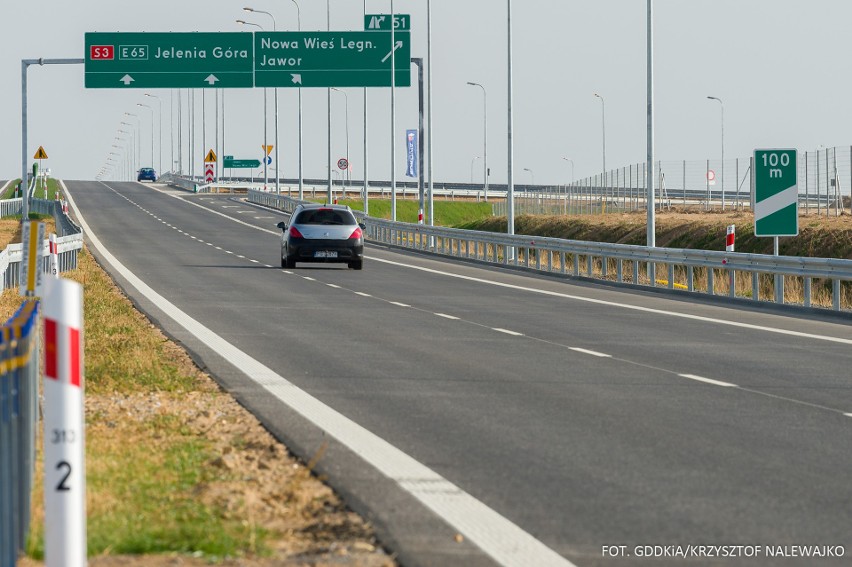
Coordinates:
(152, 129)
(346, 98)
(365, 165)
(603, 130)
(651, 223)
(473, 161)
(722, 106)
(484, 136)
(277, 145)
(160, 129)
(511, 150)
(132, 160)
(393, 113)
(301, 178)
(265, 144)
(572, 166)
(532, 175)
(328, 100)
(138, 147)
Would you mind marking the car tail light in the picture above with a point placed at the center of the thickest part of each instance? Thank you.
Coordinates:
(294, 232)
(356, 234)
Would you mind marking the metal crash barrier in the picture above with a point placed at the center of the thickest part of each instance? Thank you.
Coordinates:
(19, 366)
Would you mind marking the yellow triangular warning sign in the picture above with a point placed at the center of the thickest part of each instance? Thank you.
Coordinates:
(268, 149)
(40, 153)
(211, 157)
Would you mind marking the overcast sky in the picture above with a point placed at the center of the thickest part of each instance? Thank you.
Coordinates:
(780, 66)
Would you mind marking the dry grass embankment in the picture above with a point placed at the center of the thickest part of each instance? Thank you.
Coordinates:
(176, 469)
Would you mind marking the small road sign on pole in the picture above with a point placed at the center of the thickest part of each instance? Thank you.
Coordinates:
(32, 236)
(40, 153)
(776, 193)
(210, 157)
(343, 164)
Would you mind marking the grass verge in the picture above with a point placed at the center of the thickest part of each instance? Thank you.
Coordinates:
(174, 465)
(447, 213)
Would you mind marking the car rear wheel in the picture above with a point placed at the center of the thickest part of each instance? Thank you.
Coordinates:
(356, 264)
(288, 263)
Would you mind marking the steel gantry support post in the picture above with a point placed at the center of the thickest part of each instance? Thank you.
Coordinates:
(25, 64)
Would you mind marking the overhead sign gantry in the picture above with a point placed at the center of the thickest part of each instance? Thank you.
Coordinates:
(244, 60)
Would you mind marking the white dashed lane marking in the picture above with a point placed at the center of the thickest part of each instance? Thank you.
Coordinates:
(591, 352)
(500, 330)
(708, 380)
(507, 332)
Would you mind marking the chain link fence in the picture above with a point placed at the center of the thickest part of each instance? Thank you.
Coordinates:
(824, 178)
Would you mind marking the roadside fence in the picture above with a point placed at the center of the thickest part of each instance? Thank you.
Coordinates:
(824, 179)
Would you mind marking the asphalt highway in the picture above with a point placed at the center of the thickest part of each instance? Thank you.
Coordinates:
(586, 416)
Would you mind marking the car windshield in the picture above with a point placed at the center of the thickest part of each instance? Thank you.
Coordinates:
(325, 216)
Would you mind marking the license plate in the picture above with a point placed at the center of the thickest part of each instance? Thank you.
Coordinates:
(325, 254)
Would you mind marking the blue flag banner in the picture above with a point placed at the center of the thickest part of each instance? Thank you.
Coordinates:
(411, 156)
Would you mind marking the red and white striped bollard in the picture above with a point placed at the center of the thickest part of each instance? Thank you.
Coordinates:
(64, 436)
(53, 256)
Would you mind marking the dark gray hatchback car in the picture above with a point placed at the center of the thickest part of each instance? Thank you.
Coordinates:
(322, 233)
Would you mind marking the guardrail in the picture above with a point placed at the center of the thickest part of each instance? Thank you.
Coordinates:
(69, 241)
(784, 280)
(19, 363)
(10, 258)
(319, 188)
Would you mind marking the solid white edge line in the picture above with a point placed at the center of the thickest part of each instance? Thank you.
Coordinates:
(708, 381)
(569, 296)
(621, 305)
(495, 535)
(591, 352)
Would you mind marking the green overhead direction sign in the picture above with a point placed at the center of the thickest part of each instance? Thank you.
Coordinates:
(382, 22)
(230, 163)
(776, 193)
(332, 59)
(169, 60)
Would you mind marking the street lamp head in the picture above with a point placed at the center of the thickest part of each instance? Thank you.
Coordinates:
(248, 9)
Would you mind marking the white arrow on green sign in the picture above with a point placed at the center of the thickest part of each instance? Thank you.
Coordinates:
(169, 60)
(332, 59)
(776, 193)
